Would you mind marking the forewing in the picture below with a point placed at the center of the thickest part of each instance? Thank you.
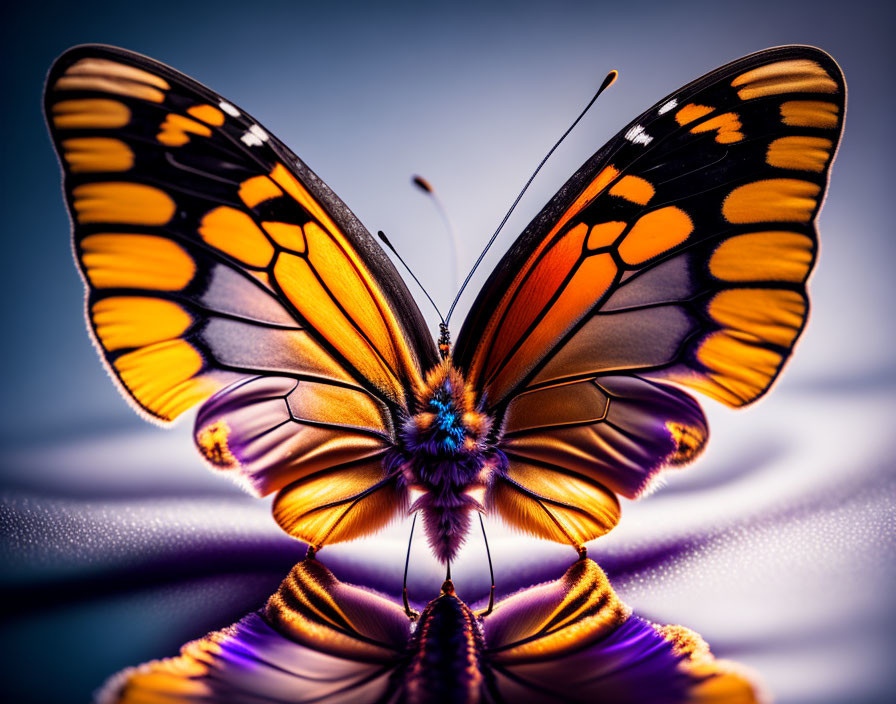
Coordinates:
(681, 249)
(209, 251)
(678, 253)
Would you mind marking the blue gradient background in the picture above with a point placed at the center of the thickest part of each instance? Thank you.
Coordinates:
(99, 507)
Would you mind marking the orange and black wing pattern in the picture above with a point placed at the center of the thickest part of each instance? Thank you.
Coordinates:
(678, 253)
(216, 263)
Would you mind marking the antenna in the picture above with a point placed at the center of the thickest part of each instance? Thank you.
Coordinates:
(382, 236)
(427, 188)
(608, 81)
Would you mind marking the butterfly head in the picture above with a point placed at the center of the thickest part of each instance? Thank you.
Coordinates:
(444, 341)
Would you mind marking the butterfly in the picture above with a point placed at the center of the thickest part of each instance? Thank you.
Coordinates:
(321, 640)
(220, 270)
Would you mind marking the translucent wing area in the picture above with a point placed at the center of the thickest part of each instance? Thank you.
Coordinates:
(318, 640)
(573, 640)
(210, 251)
(678, 253)
(216, 262)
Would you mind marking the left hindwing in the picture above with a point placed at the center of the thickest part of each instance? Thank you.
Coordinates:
(679, 252)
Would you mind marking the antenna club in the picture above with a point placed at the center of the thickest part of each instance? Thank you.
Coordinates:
(421, 183)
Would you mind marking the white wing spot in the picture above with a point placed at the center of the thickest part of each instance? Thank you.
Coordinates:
(229, 109)
(250, 139)
(258, 132)
(668, 106)
(637, 135)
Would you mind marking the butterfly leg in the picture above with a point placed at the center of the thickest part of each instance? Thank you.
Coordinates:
(491, 571)
(411, 614)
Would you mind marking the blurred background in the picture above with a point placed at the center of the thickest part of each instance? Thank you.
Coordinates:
(777, 546)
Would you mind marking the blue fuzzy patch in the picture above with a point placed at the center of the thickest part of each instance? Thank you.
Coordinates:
(450, 430)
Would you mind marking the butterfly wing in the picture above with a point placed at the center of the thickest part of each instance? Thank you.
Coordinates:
(678, 253)
(573, 640)
(216, 262)
(317, 640)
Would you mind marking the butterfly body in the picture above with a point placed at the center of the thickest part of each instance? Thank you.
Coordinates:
(448, 451)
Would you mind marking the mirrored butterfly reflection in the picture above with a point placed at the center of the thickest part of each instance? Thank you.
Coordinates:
(321, 640)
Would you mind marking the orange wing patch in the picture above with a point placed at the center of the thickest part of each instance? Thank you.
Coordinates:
(773, 315)
(165, 378)
(88, 154)
(763, 256)
(289, 237)
(233, 232)
(258, 189)
(633, 188)
(123, 260)
(126, 322)
(333, 506)
(654, 233)
(691, 112)
(727, 127)
(175, 131)
(737, 371)
(110, 76)
(89, 113)
(773, 199)
(791, 76)
(122, 202)
(536, 500)
(800, 153)
(208, 114)
(810, 113)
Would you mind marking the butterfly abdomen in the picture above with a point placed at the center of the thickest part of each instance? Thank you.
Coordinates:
(445, 661)
(448, 454)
